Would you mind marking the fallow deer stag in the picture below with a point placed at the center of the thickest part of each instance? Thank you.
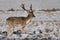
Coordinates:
(22, 21)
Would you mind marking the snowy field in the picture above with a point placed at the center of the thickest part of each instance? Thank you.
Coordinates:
(44, 24)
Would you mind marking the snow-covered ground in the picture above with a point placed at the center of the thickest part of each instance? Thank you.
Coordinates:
(47, 23)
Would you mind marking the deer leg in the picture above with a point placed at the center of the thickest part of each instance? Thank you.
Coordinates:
(9, 30)
(21, 28)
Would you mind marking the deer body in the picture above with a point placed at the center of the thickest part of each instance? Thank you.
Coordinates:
(21, 21)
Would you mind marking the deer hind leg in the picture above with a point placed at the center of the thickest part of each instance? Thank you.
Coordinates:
(9, 30)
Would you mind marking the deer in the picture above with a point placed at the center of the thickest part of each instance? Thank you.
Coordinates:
(21, 21)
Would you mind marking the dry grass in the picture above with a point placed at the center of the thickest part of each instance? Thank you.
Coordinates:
(48, 30)
(56, 34)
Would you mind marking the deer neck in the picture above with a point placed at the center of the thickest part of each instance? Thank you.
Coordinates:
(28, 18)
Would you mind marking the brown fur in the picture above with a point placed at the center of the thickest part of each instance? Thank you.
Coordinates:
(22, 21)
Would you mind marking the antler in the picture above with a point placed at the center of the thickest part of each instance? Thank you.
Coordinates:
(23, 7)
(31, 7)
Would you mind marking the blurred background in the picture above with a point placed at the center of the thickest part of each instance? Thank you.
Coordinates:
(37, 4)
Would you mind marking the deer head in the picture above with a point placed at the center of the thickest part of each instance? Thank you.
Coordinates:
(30, 11)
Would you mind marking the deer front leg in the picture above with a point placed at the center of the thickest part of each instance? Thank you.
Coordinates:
(21, 27)
(9, 30)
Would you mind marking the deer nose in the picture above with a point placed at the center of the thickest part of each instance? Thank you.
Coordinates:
(33, 15)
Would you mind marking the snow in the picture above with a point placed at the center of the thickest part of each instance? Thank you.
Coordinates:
(42, 21)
